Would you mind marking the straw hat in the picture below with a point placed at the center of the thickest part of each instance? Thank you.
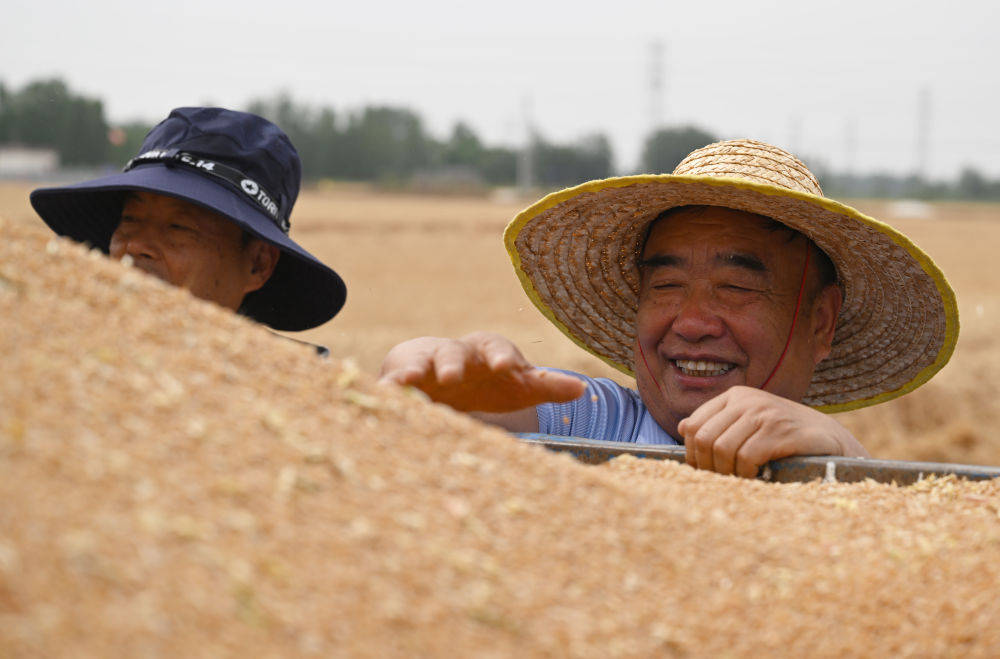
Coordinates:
(575, 254)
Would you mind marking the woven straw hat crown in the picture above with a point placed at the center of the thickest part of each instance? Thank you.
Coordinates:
(751, 161)
(575, 252)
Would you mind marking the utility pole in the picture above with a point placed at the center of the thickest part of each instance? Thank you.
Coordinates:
(525, 159)
(850, 146)
(656, 84)
(795, 134)
(923, 131)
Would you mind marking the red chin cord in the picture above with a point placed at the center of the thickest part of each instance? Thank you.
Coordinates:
(788, 341)
(648, 369)
(795, 317)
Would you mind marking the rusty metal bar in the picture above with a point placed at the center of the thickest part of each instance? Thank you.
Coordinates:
(786, 470)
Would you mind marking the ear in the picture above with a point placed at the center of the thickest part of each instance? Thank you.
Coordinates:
(263, 258)
(825, 310)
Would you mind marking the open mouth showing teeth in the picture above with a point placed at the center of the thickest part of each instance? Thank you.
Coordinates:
(703, 369)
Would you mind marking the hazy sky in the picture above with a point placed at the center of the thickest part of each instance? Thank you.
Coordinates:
(839, 84)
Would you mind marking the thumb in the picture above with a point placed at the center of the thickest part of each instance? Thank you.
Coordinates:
(552, 387)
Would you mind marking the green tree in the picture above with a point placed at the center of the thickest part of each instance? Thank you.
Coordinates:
(328, 144)
(464, 147)
(499, 166)
(5, 115)
(972, 184)
(567, 164)
(665, 148)
(385, 143)
(46, 113)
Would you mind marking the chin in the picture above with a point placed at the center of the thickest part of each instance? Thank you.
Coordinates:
(685, 406)
(669, 410)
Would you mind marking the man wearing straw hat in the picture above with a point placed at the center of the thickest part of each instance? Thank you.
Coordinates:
(205, 206)
(744, 303)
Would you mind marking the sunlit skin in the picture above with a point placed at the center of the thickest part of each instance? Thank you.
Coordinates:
(192, 247)
(719, 285)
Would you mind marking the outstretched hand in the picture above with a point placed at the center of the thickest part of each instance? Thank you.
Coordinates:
(743, 428)
(481, 372)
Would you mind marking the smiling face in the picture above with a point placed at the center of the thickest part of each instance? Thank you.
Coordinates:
(191, 247)
(717, 298)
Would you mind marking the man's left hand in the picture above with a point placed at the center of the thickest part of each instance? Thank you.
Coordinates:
(743, 428)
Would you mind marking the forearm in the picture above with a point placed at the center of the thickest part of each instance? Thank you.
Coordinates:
(525, 420)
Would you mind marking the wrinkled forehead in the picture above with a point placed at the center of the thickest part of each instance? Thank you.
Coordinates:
(725, 227)
(137, 199)
(152, 204)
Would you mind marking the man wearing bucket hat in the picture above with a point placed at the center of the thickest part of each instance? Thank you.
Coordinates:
(206, 205)
(744, 303)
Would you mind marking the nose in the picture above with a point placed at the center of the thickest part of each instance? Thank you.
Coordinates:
(697, 318)
(136, 239)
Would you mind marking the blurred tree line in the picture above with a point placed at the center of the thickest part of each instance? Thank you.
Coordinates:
(45, 113)
(970, 185)
(391, 145)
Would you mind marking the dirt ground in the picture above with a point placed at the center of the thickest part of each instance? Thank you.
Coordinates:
(178, 482)
(423, 265)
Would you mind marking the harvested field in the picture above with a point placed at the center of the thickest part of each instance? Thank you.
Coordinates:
(179, 481)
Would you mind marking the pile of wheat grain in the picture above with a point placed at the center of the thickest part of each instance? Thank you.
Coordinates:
(177, 481)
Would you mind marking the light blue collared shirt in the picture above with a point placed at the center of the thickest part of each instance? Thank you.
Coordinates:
(617, 415)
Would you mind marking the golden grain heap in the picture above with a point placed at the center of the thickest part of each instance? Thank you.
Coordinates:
(177, 481)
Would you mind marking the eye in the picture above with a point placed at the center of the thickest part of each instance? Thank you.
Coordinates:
(739, 291)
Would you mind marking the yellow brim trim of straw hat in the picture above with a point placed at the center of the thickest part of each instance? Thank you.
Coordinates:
(945, 297)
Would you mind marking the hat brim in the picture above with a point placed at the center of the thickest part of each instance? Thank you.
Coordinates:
(575, 252)
(301, 293)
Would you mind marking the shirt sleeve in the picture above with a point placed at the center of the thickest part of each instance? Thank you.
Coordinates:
(606, 411)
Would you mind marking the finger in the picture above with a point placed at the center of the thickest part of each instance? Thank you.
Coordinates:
(689, 457)
(713, 427)
(715, 443)
(690, 429)
(767, 444)
(500, 354)
(552, 387)
(408, 376)
(415, 353)
(689, 426)
(410, 370)
(704, 454)
(451, 360)
(699, 452)
(752, 455)
(729, 442)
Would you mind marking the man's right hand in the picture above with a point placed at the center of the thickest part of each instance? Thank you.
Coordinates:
(481, 372)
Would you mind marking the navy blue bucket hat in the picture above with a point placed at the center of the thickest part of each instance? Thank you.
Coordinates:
(233, 163)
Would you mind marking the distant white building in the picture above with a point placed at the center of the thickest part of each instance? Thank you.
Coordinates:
(26, 161)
